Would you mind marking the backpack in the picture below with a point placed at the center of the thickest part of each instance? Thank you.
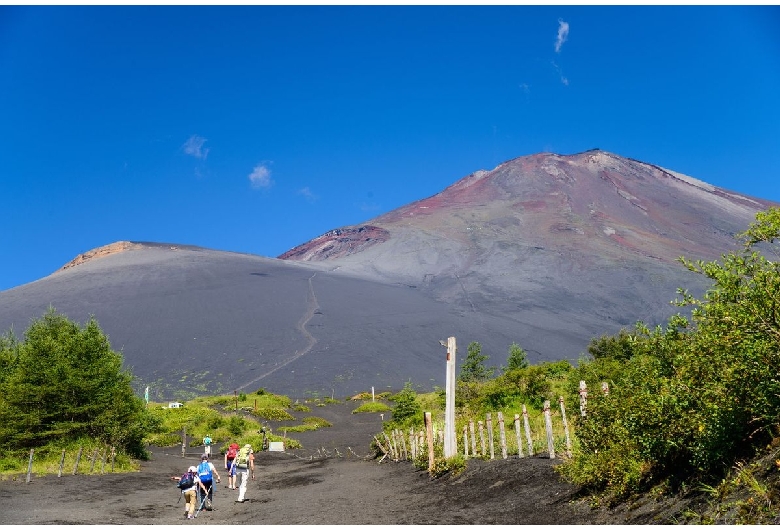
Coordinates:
(186, 481)
(232, 451)
(242, 460)
(204, 472)
(207, 440)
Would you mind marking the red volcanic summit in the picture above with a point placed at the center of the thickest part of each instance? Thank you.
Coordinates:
(547, 251)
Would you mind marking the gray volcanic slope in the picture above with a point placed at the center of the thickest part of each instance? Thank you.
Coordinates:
(547, 251)
(191, 321)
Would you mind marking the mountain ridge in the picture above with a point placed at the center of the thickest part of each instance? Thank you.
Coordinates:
(546, 251)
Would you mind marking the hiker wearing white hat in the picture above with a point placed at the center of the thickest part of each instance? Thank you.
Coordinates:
(245, 462)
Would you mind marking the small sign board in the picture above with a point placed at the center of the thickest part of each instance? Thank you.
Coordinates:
(276, 446)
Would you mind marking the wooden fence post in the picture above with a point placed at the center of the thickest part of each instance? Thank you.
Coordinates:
(583, 397)
(103, 464)
(502, 434)
(489, 423)
(548, 428)
(528, 432)
(517, 435)
(450, 440)
(412, 443)
(92, 465)
(62, 463)
(113, 454)
(465, 441)
(429, 434)
(78, 459)
(565, 427)
(604, 388)
(481, 436)
(473, 438)
(183, 440)
(29, 466)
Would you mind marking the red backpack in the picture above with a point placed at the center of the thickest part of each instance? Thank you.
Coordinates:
(232, 451)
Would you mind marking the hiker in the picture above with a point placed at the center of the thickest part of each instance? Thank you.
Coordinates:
(207, 445)
(231, 470)
(206, 474)
(244, 463)
(189, 483)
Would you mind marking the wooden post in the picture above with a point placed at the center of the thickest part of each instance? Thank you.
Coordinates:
(473, 438)
(92, 465)
(113, 454)
(517, 435)
(62, 463)
(450, 442)
(29, 466)
(183, 440)
(429, 435)
(528, 432)
(604, 388)
(548, 428)
(489, 422)
(481, 436)
(372, 394)
(255, 404)
(465, 441)
(565, 427)
(583, 397)
(390, 446)
(235, 395)
(78, 459)
(103, 464)
(502, 434)
(413, 443)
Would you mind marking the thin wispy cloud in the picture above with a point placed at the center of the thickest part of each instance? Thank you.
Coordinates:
(194, 147)
(308, 194)
(564, 79)
(260, 177)
(563, 34)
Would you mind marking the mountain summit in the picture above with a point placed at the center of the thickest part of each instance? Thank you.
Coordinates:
(547, 251)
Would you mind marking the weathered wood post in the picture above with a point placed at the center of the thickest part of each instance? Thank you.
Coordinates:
(429, 435)
(450, 442)
(604, 388)
(565, 427)
(583, 397)
(62, 463)
(373, 397)
(528, 432)
(502, 434)
(473, 438)
(113, 454)
(103, 464)
(465, 441)
(29, 466)
(413, 443)
(481, 436)
(183, 440)
(489, 422)
(92, 462)
(517, 435)
(78, 459)
(548, 428)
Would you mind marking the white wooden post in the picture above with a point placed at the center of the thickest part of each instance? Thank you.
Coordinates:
(548, 428)
(604, 388)
(450, 443)
(78, 459)
(517, 435)
(465, 441)
(528, 432)
(29, 466)
(502, 434)
(429, 433)
(583, 397)
(481, 436)
(473, 438)
(565, 427)
(62, 463)
(489, 422)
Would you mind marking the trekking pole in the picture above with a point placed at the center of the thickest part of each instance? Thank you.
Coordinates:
(203, 499)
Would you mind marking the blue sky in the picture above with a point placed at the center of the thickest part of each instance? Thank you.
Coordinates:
(256, 128)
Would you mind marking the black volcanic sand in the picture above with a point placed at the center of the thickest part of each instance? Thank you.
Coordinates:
(330, 481)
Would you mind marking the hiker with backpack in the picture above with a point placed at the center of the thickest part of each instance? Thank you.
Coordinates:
(206, 474)
(230, 455)
(189, 484)
(207, 445)
(244, 463)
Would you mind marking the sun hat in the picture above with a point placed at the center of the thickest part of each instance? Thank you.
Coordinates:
(193, 469)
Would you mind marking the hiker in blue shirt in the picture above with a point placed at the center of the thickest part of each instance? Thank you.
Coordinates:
(206, 473)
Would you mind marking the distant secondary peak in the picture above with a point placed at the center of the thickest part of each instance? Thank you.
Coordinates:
(337, 243)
